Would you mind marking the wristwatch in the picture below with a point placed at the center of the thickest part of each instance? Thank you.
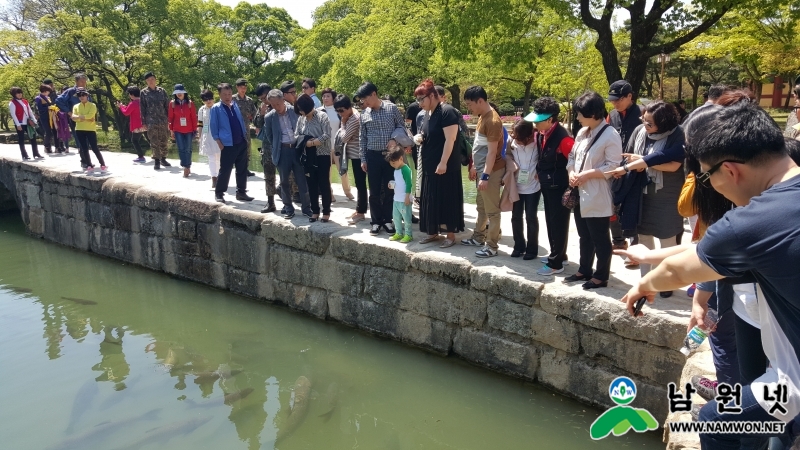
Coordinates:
(484, 177)
(625, 166)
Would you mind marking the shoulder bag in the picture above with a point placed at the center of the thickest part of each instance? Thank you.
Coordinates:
(570, 197)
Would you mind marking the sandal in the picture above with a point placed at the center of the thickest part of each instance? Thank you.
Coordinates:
(429, 239)
(325, 218)
(447, 243)
(576, 277)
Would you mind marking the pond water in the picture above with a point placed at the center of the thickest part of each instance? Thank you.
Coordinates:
(97, 354)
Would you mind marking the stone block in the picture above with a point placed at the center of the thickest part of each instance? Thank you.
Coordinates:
(311, 270)
(121, 216)
(510, 317)
(496, 352)
(187, 230)
(588, 380)
(370, 252)
(555, 331)
(34, 221)
(310, 239)
(90, 183)
(211, 242)
(100, 214)
(112, 243)
(383, 285)
(424, 332)
(440, 300)
(147, 251)
(249, 219)
(199, 210)
(152, 198)
(32, 193)
(444, 265)
(152, 222)
(495, 281)
(76, 207)
(197, 269)
(118, 190)
(610, 315)
(245, 250)
(180, 247)
(310, 300)
(659, 364)
(57, 228)
(243, 282)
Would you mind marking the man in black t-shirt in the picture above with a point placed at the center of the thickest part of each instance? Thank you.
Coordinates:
(743, 156)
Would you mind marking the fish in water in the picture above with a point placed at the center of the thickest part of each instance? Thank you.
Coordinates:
(80, 301)
(163, 434)
(95, 437)
(83, 400)
(19, 290)
(235, 396)
(209, 377)
(302, 397)
(333, 399)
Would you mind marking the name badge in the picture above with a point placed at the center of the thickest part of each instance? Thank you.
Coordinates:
(183, 121)
(523, 176)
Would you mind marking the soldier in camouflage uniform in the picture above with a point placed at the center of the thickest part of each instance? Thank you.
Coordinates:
(154, 104)
(266, 154)
(248, 108)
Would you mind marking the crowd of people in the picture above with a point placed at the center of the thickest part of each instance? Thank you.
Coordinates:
(629, 177)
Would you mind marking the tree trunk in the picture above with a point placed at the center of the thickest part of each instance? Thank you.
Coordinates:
(527, 100)
(695, 88)
(455, 96)
(680, 84)
(758, 86)
(101, 111)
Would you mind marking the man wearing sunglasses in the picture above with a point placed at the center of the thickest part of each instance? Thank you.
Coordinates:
(309, 87)
(743, 156)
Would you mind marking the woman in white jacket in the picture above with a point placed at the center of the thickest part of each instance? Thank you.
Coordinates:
(208, 147)
(23, 117)
(597, 150)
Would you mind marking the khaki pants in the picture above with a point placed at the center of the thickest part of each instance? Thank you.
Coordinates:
(488, 203)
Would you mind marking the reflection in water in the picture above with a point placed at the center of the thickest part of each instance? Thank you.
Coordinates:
(185, 366)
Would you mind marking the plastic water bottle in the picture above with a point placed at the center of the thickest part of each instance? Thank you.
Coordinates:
(697, 335)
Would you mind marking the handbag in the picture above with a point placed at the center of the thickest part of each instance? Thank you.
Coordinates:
(571, 197)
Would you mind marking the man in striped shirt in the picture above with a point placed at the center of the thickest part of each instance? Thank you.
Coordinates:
(378, 120)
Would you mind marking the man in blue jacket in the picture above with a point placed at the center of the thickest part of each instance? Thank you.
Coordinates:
(228, 130)
(278, 130)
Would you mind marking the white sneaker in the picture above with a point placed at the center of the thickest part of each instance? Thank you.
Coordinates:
(486, 252)
(547, 270)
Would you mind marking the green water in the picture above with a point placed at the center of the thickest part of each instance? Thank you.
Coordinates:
(123, 358)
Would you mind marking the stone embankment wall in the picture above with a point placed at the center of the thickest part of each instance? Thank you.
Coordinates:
(573, 341)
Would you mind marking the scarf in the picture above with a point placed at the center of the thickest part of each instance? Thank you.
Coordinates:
(657, 143)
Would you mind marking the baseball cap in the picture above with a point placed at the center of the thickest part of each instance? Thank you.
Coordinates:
(619, 89)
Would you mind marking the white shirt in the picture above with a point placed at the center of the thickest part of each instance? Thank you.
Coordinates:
(605, 155)
(745, 303)
(333, 117)
(526, 157)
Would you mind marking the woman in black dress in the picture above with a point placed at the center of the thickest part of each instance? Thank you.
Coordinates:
(442, 204)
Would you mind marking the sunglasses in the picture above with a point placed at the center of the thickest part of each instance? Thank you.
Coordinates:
(340, 110)
(306, 87)
(704, 178)
(360, 101)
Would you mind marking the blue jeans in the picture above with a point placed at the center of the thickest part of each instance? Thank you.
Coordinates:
(751, 412)
(401, 216)
(184, 143)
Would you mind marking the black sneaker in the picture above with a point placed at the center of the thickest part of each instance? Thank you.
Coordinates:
(389, 228)
(220, 199)
(165, 163)
(244, 197)
(157, 165)
(251, 174)
(288, 215)
(376, 228)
